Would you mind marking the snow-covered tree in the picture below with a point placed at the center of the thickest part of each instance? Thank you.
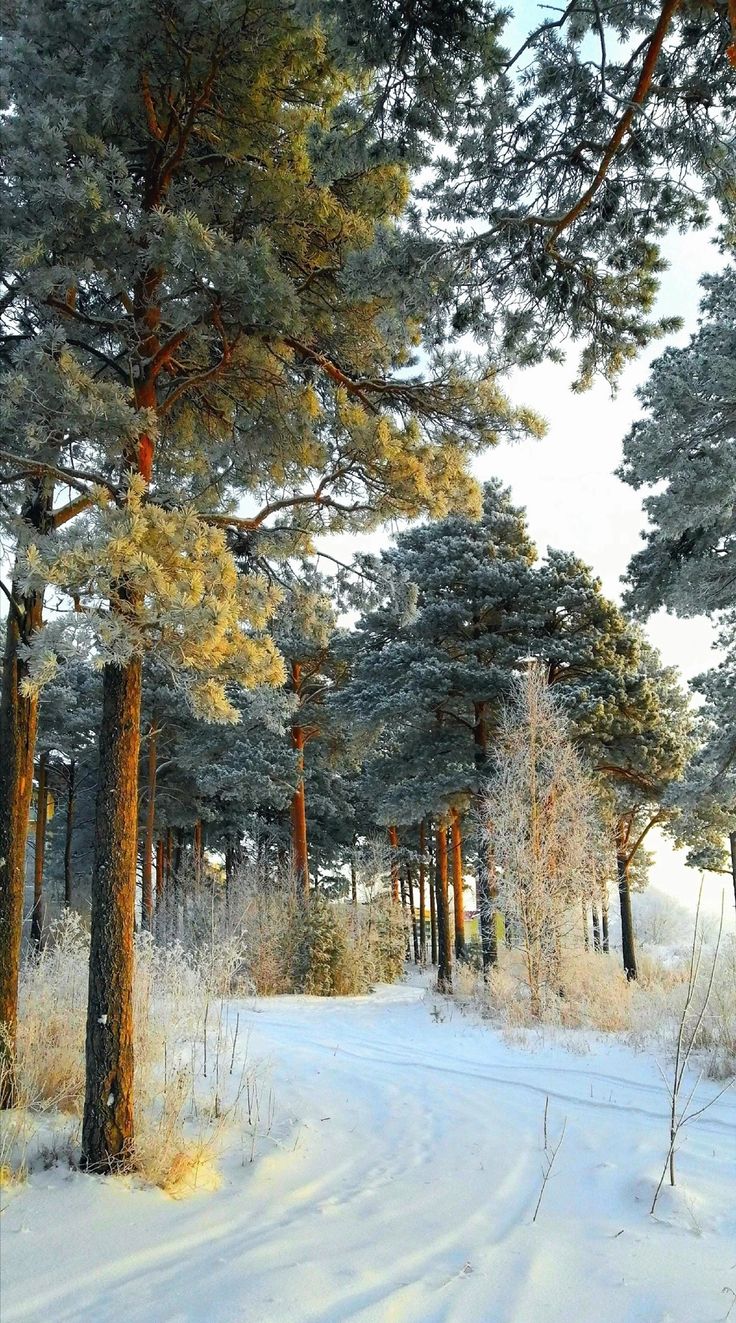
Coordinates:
(684, 447)
(543, 829)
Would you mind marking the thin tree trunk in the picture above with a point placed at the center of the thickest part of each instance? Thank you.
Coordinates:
(393, 840)
(299, 844)
(353, 877)
(71, 801)
(586, 933)
(18, 730)
(444, 970)
(107, 1128)
(147, 869)
(604, 924)
(160, 899)
(39, 852)
(596, 929)
(405, 916)
(627, 918)
(422, 899)
(230, 863)
(434, 944)
(489, 946)
(457, 884)
(732, 842)
(412, 914)
(197, 855)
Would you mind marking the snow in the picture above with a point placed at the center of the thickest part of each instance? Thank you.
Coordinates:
(398, 1186)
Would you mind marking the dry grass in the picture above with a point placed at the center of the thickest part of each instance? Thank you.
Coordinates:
(594, 994)
(189, 1083)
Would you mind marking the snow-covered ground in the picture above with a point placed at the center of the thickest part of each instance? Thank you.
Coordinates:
(399, 1184)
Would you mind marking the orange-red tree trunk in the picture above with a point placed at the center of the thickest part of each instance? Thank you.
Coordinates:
(18, 730)
(107, 1129)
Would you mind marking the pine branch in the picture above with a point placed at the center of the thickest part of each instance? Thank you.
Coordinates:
(669, 9)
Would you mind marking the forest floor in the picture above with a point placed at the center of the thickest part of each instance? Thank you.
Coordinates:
(398, 1185)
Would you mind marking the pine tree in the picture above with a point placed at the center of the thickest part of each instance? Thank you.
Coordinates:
(685, 446)
(188, 330)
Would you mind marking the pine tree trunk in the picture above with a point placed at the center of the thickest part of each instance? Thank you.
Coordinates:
(405, 917)
(586, 933)
(18, 730)
(412, 915)
(393, 840)
(147, 870)
(444, 969)
(39, 852)
(489, 946)
(107, 1129)
(230, 863)
(422, 900)
(299, 844)
(434, 944)
(160, 900)
(732, 842)
(596, 930)
(197, 855)
(627, 918)
(457, 885)
(18, 727)
(71, 801)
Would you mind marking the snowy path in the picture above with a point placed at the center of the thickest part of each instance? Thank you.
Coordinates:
(401, 1189)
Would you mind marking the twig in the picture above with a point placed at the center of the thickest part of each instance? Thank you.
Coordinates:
(549, 1157)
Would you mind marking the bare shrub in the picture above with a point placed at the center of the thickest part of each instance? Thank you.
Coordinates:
(544, 834)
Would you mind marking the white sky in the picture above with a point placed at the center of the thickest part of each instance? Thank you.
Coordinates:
(575, 502)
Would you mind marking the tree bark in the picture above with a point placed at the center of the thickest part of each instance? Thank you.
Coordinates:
(18, 730)
(422, 899)
(299, 843)
(444, 968)
(147, 870)
(160, 900)
(393, 840)
(627, 918)
(596, 929)
(457, 885)
(584, 915)
(197, 854)
(71, 801)
(489, 946)
(434, 944)
(39, 852)
(412, 914)
(107, 1128)
(353, 878)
